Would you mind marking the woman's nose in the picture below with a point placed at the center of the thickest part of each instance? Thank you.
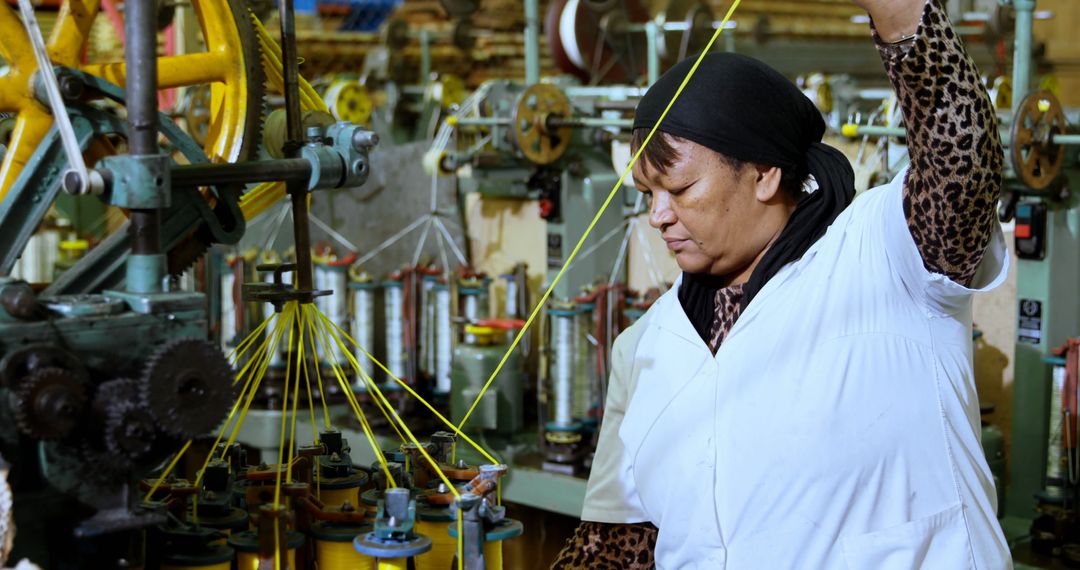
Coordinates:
(660, 213)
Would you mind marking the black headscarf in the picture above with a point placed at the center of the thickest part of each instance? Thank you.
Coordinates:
(742, 108)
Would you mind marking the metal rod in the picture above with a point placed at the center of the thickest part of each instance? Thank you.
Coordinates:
(553, 122)
(425, 58)
(1025, 10)
(532, 42)
(284, 170)
(294, 134)
(653, 54)
(897, 132)
(140, 21)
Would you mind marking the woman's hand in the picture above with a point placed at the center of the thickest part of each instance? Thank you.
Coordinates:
(894, 19)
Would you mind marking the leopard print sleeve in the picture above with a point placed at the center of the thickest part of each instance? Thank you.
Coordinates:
(954, 180)
(605, 546)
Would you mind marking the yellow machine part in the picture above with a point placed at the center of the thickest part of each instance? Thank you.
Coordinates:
(217, 566)
(222, 65)
(330, 555)
(349, 101)
(250, 560)
(335, 497)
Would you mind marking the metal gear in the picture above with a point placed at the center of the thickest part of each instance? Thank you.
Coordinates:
(129, 430)
(47, 403)
(128, 427)
(187, 387)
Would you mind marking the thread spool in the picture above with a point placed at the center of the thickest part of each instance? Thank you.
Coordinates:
(226, 565)
(444, 338)
(363, 322)
(564, 353)
(332, 274)
(334, 547)
(193, 547)
(336, 491)
(393, 297)
(229, 306)
(511, 295)
(246, 545)
(585, 375)
(427, 324)
(432, 521)
(393, 564)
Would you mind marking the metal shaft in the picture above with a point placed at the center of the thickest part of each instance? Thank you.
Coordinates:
(294, 134)
(287, 169)
(140, 25)
(1025, 11)
(532, 42)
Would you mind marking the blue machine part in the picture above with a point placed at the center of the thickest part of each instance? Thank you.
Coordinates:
(364, 15)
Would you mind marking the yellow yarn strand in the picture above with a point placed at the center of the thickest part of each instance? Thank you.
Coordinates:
(296, 397)
(281, 443)
(168, 469)
(351, 398)
(405, 385)
(603, 207)
(378, 393)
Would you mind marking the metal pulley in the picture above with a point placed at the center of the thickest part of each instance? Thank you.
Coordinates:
(349, 101)
(696, 23)
(541, 139)
(1036, 157)
(593, 39)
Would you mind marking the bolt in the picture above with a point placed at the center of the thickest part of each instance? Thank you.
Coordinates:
(363, 140)
(347, 507)
(71, 88)
(314, 134)
(359, 166)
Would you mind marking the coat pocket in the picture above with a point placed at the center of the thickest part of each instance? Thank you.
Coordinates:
(938, 541)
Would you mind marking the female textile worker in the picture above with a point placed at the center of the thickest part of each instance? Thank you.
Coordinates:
(803, 396)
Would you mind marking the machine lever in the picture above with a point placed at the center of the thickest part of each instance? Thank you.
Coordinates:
(83, 180)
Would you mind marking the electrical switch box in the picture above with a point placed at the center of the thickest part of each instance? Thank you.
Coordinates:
(1030, 233)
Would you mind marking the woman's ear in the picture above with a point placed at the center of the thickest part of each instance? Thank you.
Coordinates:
(767, 184)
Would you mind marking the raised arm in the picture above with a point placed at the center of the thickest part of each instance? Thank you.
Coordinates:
(953, 183)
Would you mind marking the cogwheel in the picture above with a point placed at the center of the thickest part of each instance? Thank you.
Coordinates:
(129, 430)
(48, 403)
(187, 387)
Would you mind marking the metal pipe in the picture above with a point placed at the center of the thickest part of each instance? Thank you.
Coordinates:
(286, 170)
(553, 122)
(532, 42)
(850, 130)
(141, 91)
(294, 134)
(1025, 10)
(425, 58)
(651, 51)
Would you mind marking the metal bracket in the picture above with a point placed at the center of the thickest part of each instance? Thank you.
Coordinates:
(138, 181)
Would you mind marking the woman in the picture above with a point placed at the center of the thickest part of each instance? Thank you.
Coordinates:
(803, 396)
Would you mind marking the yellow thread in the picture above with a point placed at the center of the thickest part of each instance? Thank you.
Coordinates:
(277, 538)
(322, 393)
(295, 397)
(378, 393)
(168, 469)
(460, 543)
(351, 399)
(413, 393)
(603, 207)
(237, 353)
(284, 414)
(325, 340)
(284, 322)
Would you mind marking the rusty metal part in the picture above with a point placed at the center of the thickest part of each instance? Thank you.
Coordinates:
(1036, 160)
(537, 139)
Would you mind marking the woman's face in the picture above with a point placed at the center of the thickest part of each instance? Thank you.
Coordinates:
(716, 219)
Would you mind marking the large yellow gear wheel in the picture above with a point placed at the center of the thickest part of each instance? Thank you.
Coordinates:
(231, 65)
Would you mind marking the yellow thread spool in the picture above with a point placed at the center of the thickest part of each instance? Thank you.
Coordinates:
(246, 545)
(393, 564)
(337, 497)
(432, 522)
(334, 548)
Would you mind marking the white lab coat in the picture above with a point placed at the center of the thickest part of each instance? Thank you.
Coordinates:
(836, 427)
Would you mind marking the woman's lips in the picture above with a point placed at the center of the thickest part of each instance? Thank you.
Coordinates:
(674, 244)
